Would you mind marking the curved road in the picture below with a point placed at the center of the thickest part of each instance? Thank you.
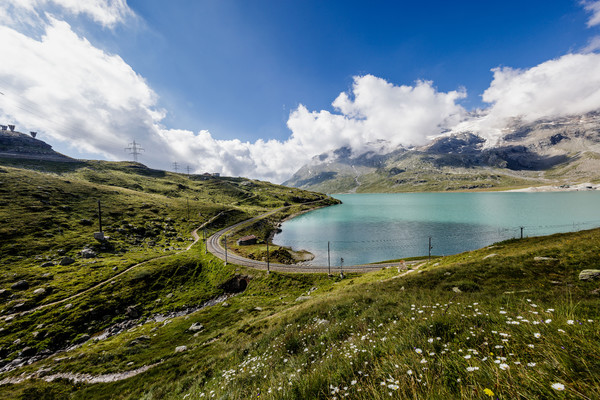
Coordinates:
(213, 245)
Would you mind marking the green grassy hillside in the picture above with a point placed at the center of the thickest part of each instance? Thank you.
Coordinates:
(511, 321)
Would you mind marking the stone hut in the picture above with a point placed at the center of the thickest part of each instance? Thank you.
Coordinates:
(247, 240)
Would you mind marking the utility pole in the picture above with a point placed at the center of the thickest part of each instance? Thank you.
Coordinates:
(188, 169)
(328, 260)
(522, 232)
(430, 247)
(100, 216)
(134, 149)
(268, 265)
(341, 267)
(175, 166)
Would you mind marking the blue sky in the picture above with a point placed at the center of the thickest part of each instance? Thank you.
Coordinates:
(257, 88)
(238, 68)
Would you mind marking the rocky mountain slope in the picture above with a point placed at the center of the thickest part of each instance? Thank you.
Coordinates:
(561, 151)
(22, 146)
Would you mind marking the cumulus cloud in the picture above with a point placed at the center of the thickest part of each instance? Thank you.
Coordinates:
(592, 7)
(565, 86)
(108, 13)
(378, 111)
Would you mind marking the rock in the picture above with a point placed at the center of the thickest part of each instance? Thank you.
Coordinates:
(302, 298)
(47, 264)
(39, 292)
(21, 285)
(180, 349)
(196, 327)
(66, 261)
(544, 259)
(258, 308)
(132, 312)
(82, 339)
(60, 252)
(27, 352)
(589, 275)
(225, 304)
(68, 306)
(4, 292)
(447, 273)
(88, 253)
(47, 275)
(455, 289)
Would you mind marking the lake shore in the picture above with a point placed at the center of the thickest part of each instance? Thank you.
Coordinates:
(561, 188)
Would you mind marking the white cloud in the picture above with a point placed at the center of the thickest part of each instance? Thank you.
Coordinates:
(594, 8)
(108, 13)
(67, 88)
(565, 86)
(377, 110)
(592, 46)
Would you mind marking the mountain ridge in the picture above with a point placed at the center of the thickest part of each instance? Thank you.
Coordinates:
(559, 151)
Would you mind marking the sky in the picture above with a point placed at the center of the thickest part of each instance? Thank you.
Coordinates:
(257, 88)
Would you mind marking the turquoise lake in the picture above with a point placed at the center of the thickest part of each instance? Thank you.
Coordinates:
(374, 227)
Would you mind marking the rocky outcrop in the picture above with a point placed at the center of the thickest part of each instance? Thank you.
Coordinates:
(589, 275)
(20, 145)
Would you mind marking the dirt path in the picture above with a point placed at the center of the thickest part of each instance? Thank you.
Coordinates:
(96, 286)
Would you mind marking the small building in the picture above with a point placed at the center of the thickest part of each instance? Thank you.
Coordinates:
(247, 240)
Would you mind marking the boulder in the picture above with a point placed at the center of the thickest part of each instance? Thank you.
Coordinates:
(589, 275)
(39, 292)
(47, 264)
(132, 312)
(21, 285)
(66, 261)
(544, 259)
(180, 349)
(196, 327)
(88, 253)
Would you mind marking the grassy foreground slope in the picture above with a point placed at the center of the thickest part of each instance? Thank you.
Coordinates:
(48, 215)
(511, 321)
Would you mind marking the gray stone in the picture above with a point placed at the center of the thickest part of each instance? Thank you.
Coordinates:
(196, 327)
(21, 285)
(589, 275)
(302, 298)
(4, 292)
(66, 261)
(544, 259)
(132, 312)
(180, 349)
(47, 264)
(88, 253)
(39, 292)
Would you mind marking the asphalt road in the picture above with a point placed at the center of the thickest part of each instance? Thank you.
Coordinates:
(213, 245)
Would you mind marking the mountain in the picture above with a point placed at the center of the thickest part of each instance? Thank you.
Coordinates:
(17, 145)
(559, 151)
